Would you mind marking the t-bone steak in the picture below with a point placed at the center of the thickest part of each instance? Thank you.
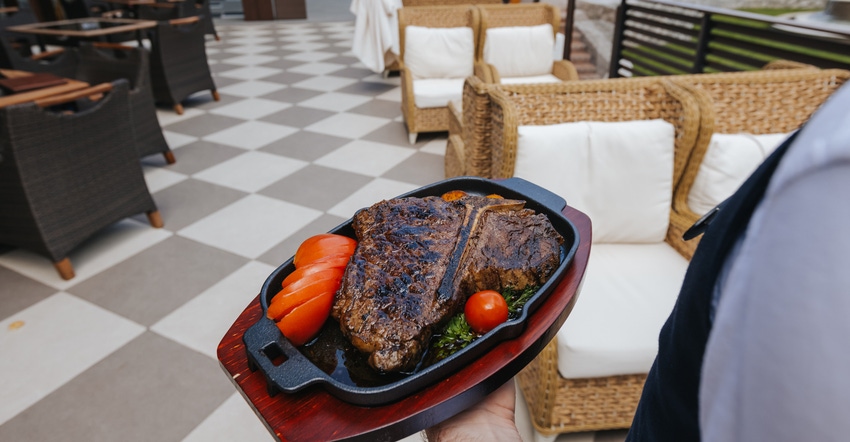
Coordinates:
(418, 259)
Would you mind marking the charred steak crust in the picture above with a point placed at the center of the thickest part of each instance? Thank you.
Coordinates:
(418, 259)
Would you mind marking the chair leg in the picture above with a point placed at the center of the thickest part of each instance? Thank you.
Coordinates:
(169, 157)
(178, 108)
(155, 219)
(65, 269)
(215, 95)
(412, 137)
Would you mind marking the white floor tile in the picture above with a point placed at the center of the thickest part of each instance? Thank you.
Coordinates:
(325, 83)
(335, 101)
(107, 248)
(158, 178)
(168, 116)
(234, 420)
(251, 171)
(310, 56)
(251, 88)
(251, 134)
(250, 108)
(377, 190)
(436, 147)
(317, 68)
(250, 72)
(201, 323)
(250, 226)
(304, 46)
(176, 140)
(250, 59)
(391, 95)
(259, 49)
(347, 125)
(250, 41)
(301, 38)
(296, 30)
(249, 32)
(365, 157)
(35, 362)
(346, 36)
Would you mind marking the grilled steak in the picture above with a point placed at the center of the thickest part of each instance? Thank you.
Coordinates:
(418, 259)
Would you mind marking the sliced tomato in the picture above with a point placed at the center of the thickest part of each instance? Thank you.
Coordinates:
(304, 322)
(301, 291)
(319, 246)
(485, 310)
(330, 262)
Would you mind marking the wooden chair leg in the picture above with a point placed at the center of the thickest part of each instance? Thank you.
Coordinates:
(65, 269)
(178, 108)
(169, 157)
(155, 219)
(215, 95)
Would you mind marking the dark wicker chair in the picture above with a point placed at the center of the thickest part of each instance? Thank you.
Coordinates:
(179, 65)
(92, 65)
(21, 43)
(181, 9)
(67, 175)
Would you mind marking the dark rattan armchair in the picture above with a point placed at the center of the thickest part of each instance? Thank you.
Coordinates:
(92, 65)
(179, 65)
(67, 175)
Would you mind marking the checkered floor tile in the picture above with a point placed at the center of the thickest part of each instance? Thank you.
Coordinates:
(302, 137)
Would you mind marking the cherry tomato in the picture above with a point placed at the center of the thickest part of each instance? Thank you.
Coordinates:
(304, 322)
(485, 310)
(332, 262)
(304, 290)
(323, 245)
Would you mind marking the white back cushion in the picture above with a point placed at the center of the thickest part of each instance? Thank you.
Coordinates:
(620, 174)
(439, 52)
(627, 293)
(728, 162)
(520, 51)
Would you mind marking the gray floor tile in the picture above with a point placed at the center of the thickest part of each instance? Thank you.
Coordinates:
(287, 77)
(293, 95)
(205, 101)
(378, 108)
(367, 88)
(197, 156)
(190, 200)
(152, 389)
(198, 127)
(352, 72)
(297, 116)
(151, 284)
(393, 133)
(304, 145)
(19, 292)
(421, 168)
(316, 187)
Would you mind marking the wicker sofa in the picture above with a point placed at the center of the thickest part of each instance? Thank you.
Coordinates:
(560, 404)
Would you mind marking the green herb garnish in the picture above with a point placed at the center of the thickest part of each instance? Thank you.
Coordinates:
(457, 334)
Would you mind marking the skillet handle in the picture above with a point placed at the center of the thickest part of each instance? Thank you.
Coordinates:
(545, 197)
(284, 367)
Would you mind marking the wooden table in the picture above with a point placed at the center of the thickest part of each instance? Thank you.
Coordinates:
(313, 414)
(79, 29)
(25, 97)
(8, 9)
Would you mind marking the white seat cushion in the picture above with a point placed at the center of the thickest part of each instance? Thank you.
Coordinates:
(520, 51)
(628, 292)
(620, 174)
(548, 78)
(437, 92)
(439, 52)
(728, 162)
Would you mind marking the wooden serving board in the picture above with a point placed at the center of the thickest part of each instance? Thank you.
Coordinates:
(313, 414)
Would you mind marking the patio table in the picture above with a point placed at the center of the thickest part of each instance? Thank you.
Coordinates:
(74, 31)
(314, 414)
(9, 98)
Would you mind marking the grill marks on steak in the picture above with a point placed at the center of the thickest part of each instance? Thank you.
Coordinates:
(418, 259)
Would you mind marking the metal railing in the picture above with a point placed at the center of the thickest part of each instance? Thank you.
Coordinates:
(668, 38)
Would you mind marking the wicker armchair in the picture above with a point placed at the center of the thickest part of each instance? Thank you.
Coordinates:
(557, 404)
(92, 65)
(65, 176)
(774, 100)
(429, 119)
(179, 66)
(181, 9)
(515, 15)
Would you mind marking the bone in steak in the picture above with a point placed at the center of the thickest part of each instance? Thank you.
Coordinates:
(418, 259)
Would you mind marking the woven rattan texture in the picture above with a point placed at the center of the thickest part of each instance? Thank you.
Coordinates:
(407, 3)
(430, 119)
(65, 176)
(759, 102)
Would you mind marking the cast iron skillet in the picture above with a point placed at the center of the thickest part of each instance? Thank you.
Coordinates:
(288, 369)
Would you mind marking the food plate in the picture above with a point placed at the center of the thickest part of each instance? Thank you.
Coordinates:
(289, 369)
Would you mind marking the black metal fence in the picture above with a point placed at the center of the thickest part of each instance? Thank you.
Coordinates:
(667, 38)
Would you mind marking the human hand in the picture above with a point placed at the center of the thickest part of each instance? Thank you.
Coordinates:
(492, 420)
